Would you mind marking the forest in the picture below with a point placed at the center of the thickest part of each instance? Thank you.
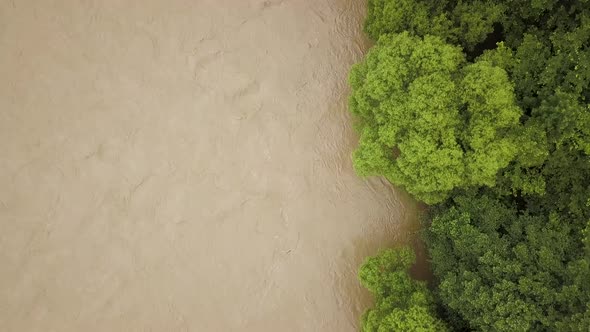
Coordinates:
(480, 110)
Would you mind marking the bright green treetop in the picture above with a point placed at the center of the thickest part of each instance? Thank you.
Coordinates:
(428, 120)
(402, 304)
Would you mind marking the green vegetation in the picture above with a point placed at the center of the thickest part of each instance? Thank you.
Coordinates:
(502, 270)
(481, 109)
(432, 122)
(403, 304)
(466, 23)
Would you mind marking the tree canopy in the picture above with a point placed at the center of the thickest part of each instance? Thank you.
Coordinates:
(502, 270)
(402, 304)
(481, 109)
(429, 120)
(468, 23)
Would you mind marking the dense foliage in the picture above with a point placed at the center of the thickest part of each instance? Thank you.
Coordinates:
(402, 304)
(502, 270)
(481, 109)
(430, 121)
(467, 23)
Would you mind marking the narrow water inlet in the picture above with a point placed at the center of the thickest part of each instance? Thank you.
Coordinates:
(184, 166)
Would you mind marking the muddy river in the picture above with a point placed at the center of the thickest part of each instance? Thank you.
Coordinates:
(184, 166)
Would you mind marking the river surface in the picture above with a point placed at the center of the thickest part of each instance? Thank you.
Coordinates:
(184, 166)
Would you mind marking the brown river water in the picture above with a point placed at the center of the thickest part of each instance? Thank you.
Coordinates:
(184, 166)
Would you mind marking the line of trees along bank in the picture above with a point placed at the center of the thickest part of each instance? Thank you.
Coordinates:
(481, 110)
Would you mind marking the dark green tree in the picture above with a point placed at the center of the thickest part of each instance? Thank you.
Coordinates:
(503, 270)
(416, 17)
(468, 23)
